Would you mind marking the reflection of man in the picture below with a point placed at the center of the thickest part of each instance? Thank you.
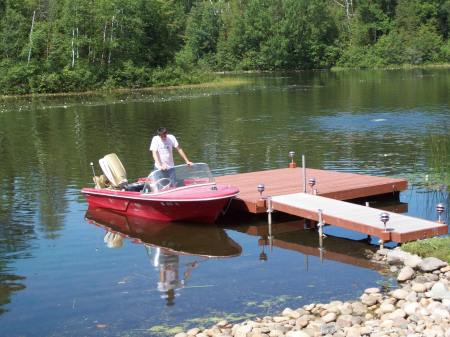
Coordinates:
(169, 266)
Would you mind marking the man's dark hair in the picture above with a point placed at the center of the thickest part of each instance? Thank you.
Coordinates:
(161, 131)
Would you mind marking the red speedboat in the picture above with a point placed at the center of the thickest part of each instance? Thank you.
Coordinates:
(184, 193)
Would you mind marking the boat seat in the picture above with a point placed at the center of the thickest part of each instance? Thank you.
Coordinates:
(135, 187)
(113, 170)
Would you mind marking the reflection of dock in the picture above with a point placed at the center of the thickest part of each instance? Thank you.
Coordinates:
(327, 194)
(292, 236)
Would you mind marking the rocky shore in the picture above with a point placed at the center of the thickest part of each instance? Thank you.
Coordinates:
(419, 307)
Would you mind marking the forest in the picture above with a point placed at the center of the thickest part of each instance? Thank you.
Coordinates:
(50, 46)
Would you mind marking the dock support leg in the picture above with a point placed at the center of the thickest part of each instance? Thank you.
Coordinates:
(269, 219)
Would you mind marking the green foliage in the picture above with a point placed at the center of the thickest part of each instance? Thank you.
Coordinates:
(77, 45)
(434, 247)
(15, 77)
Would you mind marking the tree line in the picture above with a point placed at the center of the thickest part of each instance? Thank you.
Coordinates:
(78, 45)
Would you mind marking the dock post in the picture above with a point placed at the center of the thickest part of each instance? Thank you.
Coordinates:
(304, 172)
(312, 183)
(292, 164)
(440, 208)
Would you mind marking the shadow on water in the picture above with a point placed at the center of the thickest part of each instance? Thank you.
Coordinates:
(295, 235)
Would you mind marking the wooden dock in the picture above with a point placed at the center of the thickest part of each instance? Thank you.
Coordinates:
(284, 186)
(400, 228)
(335, 185)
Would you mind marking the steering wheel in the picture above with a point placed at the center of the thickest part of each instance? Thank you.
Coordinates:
(162, 184)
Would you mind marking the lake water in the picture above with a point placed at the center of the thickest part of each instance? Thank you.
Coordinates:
(62, 273)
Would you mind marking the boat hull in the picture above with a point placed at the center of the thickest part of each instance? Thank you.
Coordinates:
(166, 207)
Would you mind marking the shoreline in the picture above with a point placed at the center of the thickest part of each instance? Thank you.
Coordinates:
(419, 306)
(219, 82)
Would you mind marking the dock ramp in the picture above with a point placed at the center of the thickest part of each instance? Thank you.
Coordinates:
(400, 228)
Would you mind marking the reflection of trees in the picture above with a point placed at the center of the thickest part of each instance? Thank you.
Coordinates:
(8, 284)
(438, 158)
(16, 234)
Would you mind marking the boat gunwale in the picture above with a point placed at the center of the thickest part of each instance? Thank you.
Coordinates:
(131, 195)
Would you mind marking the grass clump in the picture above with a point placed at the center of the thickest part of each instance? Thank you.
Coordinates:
(435, 247)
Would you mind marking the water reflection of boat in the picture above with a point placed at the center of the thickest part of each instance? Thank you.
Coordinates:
(175, 249)
(183, 193)
(180, 238)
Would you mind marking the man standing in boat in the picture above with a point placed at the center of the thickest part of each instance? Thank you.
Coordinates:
(162, 150)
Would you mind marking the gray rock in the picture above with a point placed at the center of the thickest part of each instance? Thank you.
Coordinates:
(439, 291)
(288, 312)
(297, 334)
(400, 323)
(386, 308)
(222, 324)
(358, 309)
(371, 299)
(181, 334)
(399, 294)
(344, 321)
(330, 317)
(410, 308)
(328, 329)
(430, 264)
(193, 331)
(396, 257)
(279, 319)
(354, 331)
(242, 330)
(412, 297)
(399, 313)
(276, 333)
(413, 261)
(302, 321)
(405, 274)
(419, 287)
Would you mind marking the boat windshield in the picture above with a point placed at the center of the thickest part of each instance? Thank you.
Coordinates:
(178, 176)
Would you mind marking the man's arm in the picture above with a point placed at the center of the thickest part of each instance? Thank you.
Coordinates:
(183, 155)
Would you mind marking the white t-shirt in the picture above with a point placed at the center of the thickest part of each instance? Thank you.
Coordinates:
(164, 148)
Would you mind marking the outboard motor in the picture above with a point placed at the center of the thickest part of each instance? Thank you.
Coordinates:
(114, 171)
